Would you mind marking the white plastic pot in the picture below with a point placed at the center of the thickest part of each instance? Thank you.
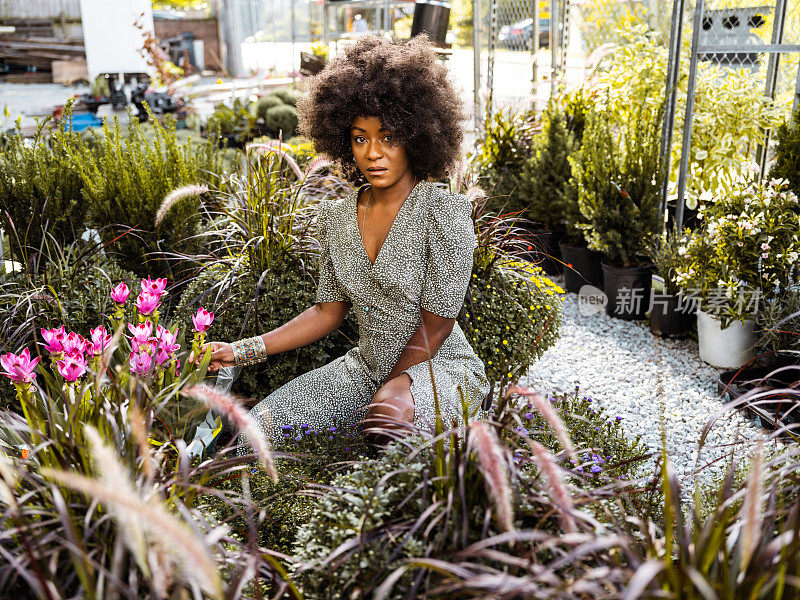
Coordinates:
(728, 348)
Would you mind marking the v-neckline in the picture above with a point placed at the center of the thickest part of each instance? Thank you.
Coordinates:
(388, 233)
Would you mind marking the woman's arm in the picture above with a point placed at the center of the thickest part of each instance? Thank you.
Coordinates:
(430, 335)
(310, 325)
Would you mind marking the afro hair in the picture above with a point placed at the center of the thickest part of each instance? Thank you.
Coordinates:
(405, 85)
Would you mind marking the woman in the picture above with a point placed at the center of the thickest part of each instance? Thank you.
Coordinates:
(398, 252)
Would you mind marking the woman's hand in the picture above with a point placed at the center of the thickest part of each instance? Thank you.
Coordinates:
(221, 356)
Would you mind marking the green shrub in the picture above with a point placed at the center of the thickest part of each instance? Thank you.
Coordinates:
(545, 180)
(787, 153)
(618, 175)
(247, 307)
(41, 192)
(265, 103)
(126, 184)
(511, 316)
(504, 148)
(288, 96)
(281, 121)
(235, 121)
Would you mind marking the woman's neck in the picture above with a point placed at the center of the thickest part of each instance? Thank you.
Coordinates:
(396, 193)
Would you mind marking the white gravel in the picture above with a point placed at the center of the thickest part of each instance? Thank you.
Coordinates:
(635, 375)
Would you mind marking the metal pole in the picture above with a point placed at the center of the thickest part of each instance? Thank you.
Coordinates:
(670, 101)
(796, 92)
(535, 51)
(687, 119)
(490, 62)
(553, 45)
(387, 26)
(294, 71)
(772, 76)
(476, 62)
(325, 37)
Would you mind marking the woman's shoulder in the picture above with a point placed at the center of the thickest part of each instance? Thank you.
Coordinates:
(335, 209)
(444, 205)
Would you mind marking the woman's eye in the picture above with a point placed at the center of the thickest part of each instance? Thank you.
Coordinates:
(359, 139)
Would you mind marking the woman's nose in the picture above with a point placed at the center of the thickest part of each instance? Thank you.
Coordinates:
(375, 151)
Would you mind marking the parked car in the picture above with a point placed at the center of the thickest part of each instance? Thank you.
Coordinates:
(517, 36)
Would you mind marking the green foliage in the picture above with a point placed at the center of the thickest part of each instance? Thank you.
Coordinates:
(618, 178)
(236, 122)
(265, 103)
(126, 184)
(99, 87)
(787, 153)
(607, 21)
(545, 180)
(780, 322)
(281, 121)
(503, 150)
(288, 96)
(511, 316)
(731, 112)
(665, 256)
(746, 242)
(41, 192)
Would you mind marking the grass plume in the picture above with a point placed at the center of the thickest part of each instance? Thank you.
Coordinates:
(176, 196)
(492, 465)
(558, 491)
(546, 410)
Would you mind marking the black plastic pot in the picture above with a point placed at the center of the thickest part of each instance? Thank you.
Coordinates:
(581, 267)
(628, 290)
(776, 408)
(544, 250)
(667, 321)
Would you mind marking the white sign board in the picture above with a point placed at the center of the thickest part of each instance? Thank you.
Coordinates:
(113, 42)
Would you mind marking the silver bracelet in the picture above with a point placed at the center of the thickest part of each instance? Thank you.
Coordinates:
(249, 351)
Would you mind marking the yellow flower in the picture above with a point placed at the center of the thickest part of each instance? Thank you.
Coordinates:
(490, 362)
(505, 342)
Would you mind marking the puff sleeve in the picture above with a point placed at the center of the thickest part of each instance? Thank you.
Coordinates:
(451, 245)
(329, 289)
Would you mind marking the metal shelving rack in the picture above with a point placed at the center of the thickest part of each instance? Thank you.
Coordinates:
(385, 17)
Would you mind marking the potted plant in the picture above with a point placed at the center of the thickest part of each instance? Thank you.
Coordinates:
(737, 261)
(581, 264)
(313, 62)
(618, 178)
(544, 182)
(671, 315)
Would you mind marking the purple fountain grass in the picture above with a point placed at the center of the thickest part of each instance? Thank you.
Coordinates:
(239, 418)
(492, 465)
(474, 194)
(545, 408)
(8, 483)
(190, 553)
(752, 510)
(276, 147)
(558, 491)
(317, 164)
(176, 195)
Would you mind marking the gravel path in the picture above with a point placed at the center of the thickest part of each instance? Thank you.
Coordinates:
(624, 367)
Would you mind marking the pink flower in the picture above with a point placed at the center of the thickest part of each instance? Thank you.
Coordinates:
(120, 293)
(19, 367)
(155, 286)
(72, 367)
(765, 246)
(141, 363)
(74, 344)
(53, 339)
(100, 340)
(141, 333)
(162, 356)
(147, 302)
(167, 340)
(202, 320)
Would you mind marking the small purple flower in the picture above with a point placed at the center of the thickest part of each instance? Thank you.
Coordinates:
(304, 425)
(522, 430)
(579, 469)
(298, 438)
(596, 469)
(286, 428)
(618, 418)
(529, 416)
(286, 435)
(332, 429)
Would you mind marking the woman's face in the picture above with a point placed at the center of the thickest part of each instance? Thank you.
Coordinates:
(382, 161)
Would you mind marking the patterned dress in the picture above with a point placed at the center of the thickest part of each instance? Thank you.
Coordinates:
(425, 262)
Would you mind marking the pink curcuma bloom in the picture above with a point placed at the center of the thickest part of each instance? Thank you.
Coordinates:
(141, 363)
(19, 368)
(100, 340)
(167, 340)
(147, 302)
(141, 333)
(162, 356)
(155, 286)
(72, 367)
(202, 320)
(120, 293)
(75, 344)
(54, 339)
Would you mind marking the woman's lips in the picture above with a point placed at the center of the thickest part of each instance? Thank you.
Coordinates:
(377, 172)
